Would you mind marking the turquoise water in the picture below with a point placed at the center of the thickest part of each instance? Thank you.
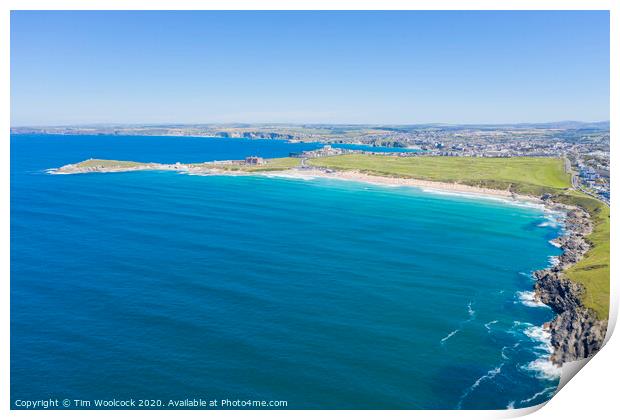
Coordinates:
(322, 293)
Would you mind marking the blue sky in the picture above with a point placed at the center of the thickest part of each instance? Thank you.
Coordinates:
(309, 67)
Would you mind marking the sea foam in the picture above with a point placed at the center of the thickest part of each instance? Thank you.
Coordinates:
(546, 391)
(554, 260)
(528, 298)
(542, 367)
(482, 196)
(487, 376)
(289, 175)
(447, 337)
(470, 311)
(488, 325)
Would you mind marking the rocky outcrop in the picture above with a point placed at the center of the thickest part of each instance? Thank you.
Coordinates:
(576, 332)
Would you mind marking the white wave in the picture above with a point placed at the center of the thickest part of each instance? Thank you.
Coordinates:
(546, 224)
(470, 311)
(528, 275)
(487, 376)
(543, 368)
(554, 260)
(477, 196)
(555, 244)
(200, 174)
(545, 347)
(443, 340)
(471, 195)
(553, 219)
(504, 356)
(510, 406)
(214, 173)
(517, 327)
(528, 298)
(538, 394)
(488, 325)
(290, 175)
(540, 334)
(504, 353)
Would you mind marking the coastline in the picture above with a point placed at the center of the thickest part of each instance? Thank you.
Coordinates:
(305, 173)
(401, 182)
(575, 332)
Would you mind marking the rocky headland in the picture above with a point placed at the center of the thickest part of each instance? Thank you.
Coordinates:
(576, 331)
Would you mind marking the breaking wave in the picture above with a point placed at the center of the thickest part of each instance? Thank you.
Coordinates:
(528, 298)
(470, 311)
(447, 337)
(504, 355)
(549, 390)
(487, 376)
(536, 333)
(528, 275)
(542, 367)
(289, 175)
(488, 325)
(553, 219)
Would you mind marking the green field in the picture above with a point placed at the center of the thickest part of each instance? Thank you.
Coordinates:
(522, 175)
(105, 163)
(534, 176)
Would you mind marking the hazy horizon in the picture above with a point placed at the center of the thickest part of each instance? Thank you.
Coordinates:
(268, 123)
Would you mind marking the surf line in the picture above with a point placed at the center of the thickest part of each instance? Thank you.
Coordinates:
(487, 376)
(448, 336)
(472, 316)
(488, 325)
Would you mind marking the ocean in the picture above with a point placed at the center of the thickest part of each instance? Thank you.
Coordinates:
(321, 293)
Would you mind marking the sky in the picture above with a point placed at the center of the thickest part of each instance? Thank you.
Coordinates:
(308, 67)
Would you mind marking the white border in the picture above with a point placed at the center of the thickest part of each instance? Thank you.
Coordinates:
(590, 395)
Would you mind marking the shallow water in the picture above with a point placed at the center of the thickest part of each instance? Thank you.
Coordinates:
(323, 293)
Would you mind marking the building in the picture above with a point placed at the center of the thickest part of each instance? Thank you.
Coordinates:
(254, 160)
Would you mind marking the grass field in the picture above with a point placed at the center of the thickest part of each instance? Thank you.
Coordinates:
(105, 163)
(534, 176)
(523, 175)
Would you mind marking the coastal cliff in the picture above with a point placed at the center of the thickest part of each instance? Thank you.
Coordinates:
(576, 332)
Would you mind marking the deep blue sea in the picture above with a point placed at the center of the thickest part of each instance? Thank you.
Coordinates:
(321, 293)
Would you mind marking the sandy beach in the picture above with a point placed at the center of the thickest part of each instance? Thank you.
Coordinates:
(405, 182)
